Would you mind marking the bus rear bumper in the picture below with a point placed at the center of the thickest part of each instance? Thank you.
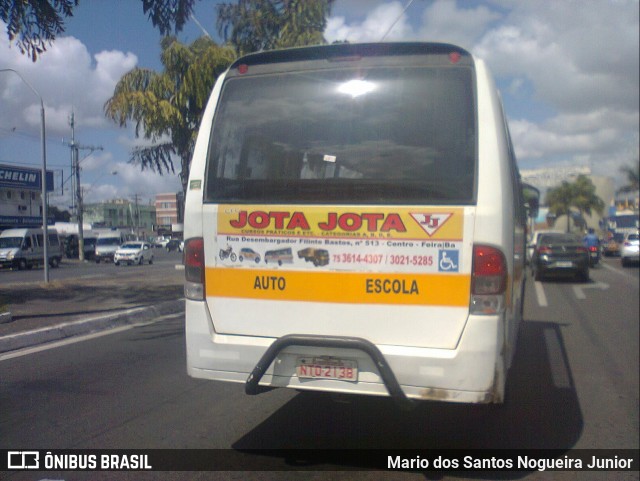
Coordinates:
(473, 372)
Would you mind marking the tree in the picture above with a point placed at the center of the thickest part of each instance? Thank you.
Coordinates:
(58, 214)
(254, 25)
(585, 198)
(167, 107)
(632, 175)
(34, 24)
(580, 194)
(559, 200)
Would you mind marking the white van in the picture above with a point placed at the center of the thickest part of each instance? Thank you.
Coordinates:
(106, 245)
(395, 159)
(24, 248)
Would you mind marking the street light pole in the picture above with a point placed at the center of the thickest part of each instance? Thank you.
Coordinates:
(45, 232)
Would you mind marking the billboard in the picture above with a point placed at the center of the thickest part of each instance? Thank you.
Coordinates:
(24, 178)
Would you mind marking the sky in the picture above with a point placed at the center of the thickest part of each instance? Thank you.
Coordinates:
(568, 72)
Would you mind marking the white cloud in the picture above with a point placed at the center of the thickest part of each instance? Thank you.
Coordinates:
(373, 28)
(66, 77)
(443, 21)
(580, 62)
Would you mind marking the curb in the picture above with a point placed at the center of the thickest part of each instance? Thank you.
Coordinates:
(132, 316)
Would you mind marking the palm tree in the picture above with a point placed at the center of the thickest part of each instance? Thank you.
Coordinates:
(580, 194)
(559, 200)
(585, 198)
(632, 178)
(166, 107)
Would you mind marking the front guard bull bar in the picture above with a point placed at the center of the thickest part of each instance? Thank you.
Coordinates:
(253, 387)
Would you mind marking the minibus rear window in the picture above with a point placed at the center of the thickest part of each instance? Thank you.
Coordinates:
(379, 135)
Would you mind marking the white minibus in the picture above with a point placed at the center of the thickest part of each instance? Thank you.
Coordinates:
(397, 161)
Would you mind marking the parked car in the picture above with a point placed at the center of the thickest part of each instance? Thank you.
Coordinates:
(629, 249)
(563, 254)
(612, 245)
(248, 254)
(133, 253)
(174, 245)
(532, 244)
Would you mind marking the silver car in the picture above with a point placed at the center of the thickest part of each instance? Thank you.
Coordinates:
(629, 249)
(133, 252)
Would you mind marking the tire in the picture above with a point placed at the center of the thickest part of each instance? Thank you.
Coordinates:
(623, 262)
(141, 261)
(22, 264)
(150, 261)
(233, 257)
(116, 263)
(54, 262)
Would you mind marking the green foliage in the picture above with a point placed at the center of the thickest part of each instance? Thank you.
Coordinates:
(166, 107)
(168, 15)
(254, 25)
(632, 174)
(580, 194)
(34, 24)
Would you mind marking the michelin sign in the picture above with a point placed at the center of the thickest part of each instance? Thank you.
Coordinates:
(23, 178)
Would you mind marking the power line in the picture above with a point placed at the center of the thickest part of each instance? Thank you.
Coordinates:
(396, 20)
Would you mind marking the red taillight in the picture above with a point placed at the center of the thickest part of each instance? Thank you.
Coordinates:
(593, 249)
(489, 274)
(194, 260)
(243, 69)
(454, 57)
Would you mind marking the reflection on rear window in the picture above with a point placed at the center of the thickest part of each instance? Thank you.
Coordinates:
(378, 135)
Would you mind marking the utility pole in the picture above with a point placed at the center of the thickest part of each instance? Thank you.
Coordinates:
(76, 168)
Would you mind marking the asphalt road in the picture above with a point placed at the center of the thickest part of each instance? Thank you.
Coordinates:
(73, 268)
(574, 385)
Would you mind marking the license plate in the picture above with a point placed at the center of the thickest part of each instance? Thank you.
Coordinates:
(564, 264)
(327, 368)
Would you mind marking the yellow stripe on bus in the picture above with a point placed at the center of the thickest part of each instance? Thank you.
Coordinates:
(340, 287)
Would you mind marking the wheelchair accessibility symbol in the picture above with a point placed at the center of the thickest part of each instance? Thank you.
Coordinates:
(448, 260)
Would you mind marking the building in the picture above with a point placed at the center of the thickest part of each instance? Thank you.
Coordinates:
(169, 214)
(21, 196)
(130, 217)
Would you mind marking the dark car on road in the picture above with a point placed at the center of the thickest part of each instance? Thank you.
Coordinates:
(561, 254)
(174, 245)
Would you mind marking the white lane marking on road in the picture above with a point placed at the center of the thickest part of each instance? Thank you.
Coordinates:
(542, 298)
(617, 271)
(579, 293)
(85, 337)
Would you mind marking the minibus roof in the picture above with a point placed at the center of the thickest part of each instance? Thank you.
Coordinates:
(351, 51)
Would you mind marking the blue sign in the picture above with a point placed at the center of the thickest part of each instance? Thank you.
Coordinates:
(24, 178)
(448, 260)
(17, 221)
